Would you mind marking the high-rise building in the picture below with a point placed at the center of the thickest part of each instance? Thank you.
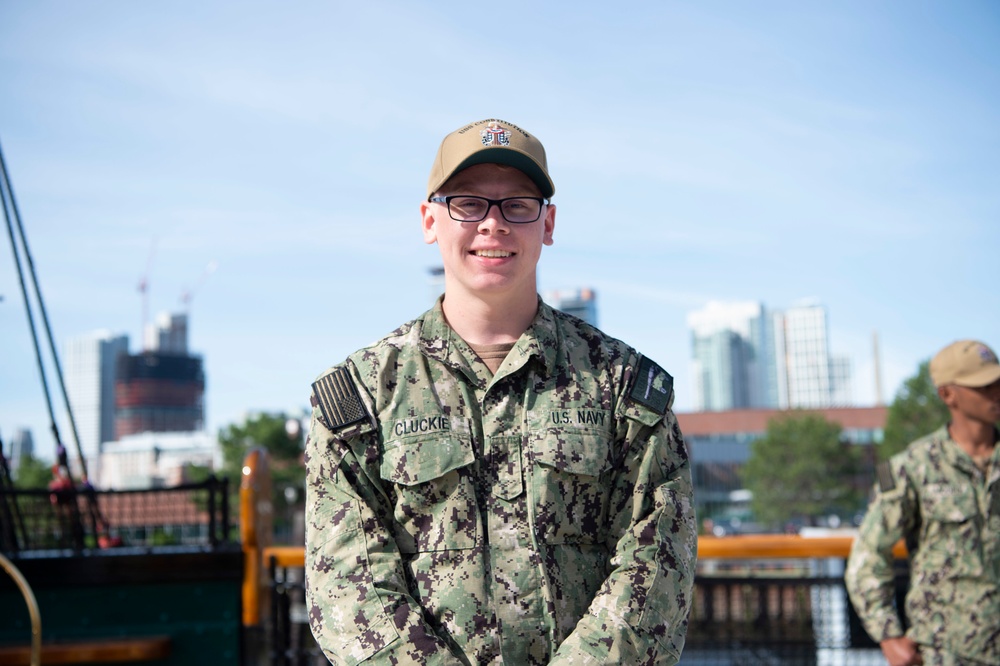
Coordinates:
(744, 357)
(162, 389)
(580, 303)
(840, 382)
(807, 356)
(89, 367)
(733, 357)
(22, 445)
(168, 334)
(811, 376)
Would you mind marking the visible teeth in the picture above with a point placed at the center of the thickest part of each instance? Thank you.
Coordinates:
(493, 254)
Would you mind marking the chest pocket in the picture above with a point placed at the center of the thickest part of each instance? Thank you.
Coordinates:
(951, 544)
(435, 504)
(946, 503)
(571, 484)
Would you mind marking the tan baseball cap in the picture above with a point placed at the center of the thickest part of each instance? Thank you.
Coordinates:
(965, 363)
(491, 141)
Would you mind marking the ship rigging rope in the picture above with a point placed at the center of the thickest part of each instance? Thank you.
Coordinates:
(7, 193)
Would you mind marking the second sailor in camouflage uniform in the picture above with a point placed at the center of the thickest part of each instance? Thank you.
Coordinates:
(532, 510)
(942, 497)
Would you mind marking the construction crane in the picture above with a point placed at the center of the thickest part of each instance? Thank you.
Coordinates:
(188, 294)
(144, 293)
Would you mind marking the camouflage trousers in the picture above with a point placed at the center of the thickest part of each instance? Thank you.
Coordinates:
(933, 656)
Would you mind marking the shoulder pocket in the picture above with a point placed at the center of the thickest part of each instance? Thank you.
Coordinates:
(339, 582)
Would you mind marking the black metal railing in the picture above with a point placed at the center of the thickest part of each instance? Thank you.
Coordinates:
(191, 514)
(795, 613)
(289, 638)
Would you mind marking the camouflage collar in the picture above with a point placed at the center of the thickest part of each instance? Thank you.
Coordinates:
(955, 455)
(541, 340)
(438, 340)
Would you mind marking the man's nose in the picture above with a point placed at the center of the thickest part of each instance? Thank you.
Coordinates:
(494, 218)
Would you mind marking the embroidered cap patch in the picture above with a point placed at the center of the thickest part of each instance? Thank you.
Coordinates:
(338, 399)
(495, 135)
(652, 386)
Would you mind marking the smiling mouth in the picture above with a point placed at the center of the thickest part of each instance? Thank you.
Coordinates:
(492, 254)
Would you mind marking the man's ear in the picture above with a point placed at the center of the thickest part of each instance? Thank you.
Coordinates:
(550, 224)
(427, 222)
(947, 394)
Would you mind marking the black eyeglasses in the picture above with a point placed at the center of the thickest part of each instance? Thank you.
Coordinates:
(516, 210)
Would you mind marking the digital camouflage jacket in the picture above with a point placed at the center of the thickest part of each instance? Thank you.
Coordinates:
(541, 515)
(935, 497)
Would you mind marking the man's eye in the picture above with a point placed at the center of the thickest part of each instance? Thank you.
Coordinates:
(468, 204)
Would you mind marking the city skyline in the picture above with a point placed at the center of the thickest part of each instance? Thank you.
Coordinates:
(847, 153)
(168, 334)
(745, 355)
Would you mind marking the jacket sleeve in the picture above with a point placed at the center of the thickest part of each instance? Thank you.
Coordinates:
(360, 606)
(870, 572)
(640, 613)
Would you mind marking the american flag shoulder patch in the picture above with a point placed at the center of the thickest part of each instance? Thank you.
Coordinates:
(338, 399)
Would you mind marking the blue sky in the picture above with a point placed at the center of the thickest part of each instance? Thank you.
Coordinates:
(843, 151)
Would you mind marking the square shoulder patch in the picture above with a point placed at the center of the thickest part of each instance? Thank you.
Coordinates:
(886, 481)
(338, 399)
(651, 386)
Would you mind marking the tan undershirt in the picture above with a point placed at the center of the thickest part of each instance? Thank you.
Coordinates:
(983, 463)
(493, 355)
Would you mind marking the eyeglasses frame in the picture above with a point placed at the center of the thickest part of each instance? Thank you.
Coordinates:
(446, 200)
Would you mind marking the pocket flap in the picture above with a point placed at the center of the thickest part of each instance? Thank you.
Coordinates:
(421, 459)
(584, 452)
(947, 503)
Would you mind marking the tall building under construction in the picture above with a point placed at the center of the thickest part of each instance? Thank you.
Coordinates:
(161, 389)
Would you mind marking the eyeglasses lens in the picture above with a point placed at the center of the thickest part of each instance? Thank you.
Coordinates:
(474, 209)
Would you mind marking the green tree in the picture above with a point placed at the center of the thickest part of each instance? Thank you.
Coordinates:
(193, 473)
(32, 473)
(282, 438)
(915, 411)
(267, 431)
(801, 468)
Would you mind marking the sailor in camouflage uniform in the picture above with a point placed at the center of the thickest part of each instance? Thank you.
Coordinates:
(942, 496)
(497, 482)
